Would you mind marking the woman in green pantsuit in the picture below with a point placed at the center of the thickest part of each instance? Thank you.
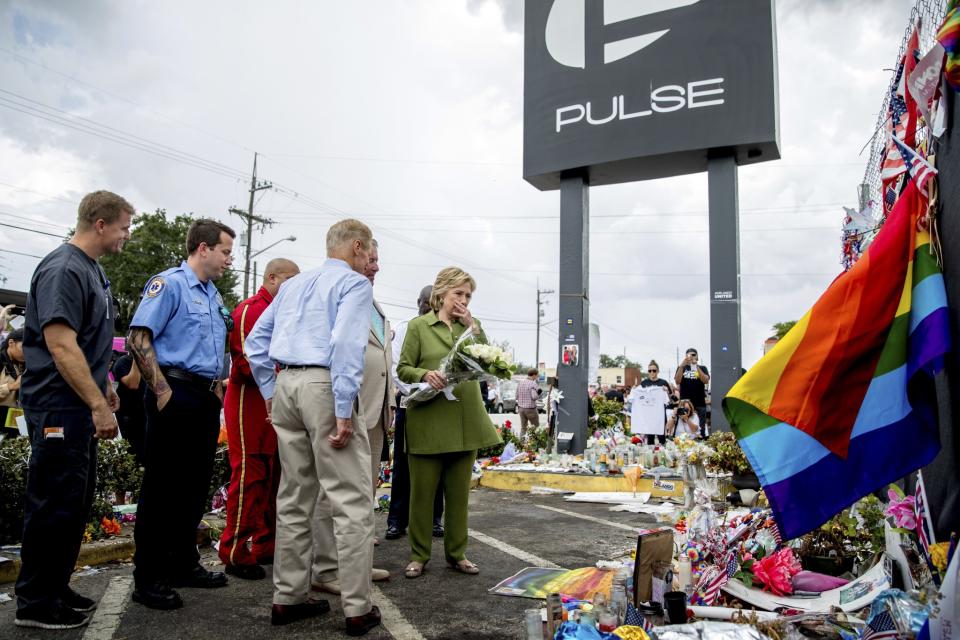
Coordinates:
(442, 435)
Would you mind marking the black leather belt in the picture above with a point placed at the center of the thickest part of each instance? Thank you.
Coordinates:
(299, 367)
(207, 384)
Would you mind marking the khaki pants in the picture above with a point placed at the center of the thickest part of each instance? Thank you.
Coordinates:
(325, 563)
(528, 416)
(303, 417)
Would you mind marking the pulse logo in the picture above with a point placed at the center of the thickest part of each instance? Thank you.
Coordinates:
(566, 28)
(566, 40)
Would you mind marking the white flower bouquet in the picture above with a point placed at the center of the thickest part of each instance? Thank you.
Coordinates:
(468, 360)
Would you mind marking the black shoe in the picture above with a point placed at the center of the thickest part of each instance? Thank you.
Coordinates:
(200, 578)
(394, 532)
(77, 602)
(157, 595)
(59, 616)
(246, 571)
(282, 614)
(360, 625)
(265, 559)
(437, 530)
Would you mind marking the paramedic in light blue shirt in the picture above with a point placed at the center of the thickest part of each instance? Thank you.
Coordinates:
(315, 333)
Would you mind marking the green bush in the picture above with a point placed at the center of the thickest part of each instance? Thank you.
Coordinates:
(497, 449)
(117, 471)
(14, 454)
(609, 412)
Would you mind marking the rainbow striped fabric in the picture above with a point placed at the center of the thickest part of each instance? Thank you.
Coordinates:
(949, 37)
(844, 404)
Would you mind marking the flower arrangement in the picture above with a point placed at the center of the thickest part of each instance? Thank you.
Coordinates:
(727, 455)
(775, 571)
(468, 360)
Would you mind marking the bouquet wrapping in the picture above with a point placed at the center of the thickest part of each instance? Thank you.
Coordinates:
(468, 360)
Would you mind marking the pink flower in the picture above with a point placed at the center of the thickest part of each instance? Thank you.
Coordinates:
(903, 511)
(776, 571)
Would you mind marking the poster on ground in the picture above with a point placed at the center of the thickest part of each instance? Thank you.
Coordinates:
(538, 582)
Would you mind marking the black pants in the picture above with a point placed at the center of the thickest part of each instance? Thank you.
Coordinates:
(181, 443)
(61, 479)
(653, 438)
(399, 515)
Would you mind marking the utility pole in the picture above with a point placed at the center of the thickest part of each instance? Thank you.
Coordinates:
(248, 217)
(540, 314)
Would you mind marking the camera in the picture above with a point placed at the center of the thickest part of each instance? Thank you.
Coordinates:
(682, 411)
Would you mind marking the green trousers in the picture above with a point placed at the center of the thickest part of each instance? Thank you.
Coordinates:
(427, 472)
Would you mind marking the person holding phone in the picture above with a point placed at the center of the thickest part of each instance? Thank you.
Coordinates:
(692, 378)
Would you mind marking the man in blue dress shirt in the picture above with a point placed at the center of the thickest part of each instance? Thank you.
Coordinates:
(315, 333)
(178, 337)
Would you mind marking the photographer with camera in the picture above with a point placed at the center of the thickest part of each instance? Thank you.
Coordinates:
(683, 420)
(692, 379)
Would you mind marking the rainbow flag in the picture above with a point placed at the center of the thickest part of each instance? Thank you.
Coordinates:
(949, 37)
(844, 404)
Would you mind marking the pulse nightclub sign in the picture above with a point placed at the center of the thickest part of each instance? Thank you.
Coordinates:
(642, 89)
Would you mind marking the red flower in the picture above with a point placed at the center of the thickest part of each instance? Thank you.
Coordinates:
(110, 526)
(507, 424)
(776, 571)
(635, 440)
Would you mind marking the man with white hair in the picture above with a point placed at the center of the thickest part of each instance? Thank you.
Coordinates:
(315, 333)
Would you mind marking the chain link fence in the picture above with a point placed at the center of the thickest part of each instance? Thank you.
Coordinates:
(930, 14)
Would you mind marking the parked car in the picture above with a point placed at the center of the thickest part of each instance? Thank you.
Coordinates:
(507, 402)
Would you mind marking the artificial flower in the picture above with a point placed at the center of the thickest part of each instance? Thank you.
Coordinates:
(903, 510)
(775, 572)
(938, 555)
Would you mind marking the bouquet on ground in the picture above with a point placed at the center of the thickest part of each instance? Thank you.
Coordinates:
(468, 360)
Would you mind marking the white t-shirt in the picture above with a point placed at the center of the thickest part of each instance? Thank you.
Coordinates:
(647, 413)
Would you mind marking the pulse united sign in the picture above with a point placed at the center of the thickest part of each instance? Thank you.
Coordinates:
(641, 89)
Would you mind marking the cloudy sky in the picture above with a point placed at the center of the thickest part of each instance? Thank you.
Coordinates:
(407, 114)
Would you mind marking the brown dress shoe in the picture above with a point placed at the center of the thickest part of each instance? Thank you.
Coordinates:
(360, 625)
(282, 614)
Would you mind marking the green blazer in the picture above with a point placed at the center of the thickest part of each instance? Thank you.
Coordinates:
(440, 425)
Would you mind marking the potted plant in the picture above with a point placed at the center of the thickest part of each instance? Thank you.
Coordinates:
(853, 536)
(728, 457)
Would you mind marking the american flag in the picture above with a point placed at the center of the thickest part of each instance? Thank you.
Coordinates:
(920, 170)
(634, 618)
(732, 565)
(775, 530)
(711, 580)
(880, 626)
(920, 510)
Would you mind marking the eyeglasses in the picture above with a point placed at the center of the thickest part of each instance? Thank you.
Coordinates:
(227, 318)
(652, 371)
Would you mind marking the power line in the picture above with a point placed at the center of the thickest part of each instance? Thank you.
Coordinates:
(116, 96)
(61, 236)
(20, 253)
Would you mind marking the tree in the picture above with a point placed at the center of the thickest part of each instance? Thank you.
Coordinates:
(781, 328)
(156, 244)
(618, 362)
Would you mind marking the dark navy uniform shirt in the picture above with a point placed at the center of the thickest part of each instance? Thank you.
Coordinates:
(68, 287)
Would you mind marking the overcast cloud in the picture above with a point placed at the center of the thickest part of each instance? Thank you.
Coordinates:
(407, 114)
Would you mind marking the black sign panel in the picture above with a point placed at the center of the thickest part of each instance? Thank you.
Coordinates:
(642, 89)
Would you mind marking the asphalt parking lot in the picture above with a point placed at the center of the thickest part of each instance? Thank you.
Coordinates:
(509, 531)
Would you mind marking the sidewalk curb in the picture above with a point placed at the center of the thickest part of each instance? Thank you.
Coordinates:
(91, 554)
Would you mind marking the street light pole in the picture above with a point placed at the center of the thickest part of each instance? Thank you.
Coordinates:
(270, 246)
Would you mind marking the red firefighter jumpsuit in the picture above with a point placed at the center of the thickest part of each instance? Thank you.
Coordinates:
(252, 446)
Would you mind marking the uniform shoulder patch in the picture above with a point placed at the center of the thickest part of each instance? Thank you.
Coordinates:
(155, 287)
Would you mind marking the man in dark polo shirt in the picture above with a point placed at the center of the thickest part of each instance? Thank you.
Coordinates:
(692, 378)
(69, 403)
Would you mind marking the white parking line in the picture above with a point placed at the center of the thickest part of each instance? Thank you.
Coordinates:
(511, 550)
(609, 523)
(392, 620)
(112, 605)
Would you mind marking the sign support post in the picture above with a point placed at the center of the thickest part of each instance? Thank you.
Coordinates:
(725, 351)
(573, 359)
